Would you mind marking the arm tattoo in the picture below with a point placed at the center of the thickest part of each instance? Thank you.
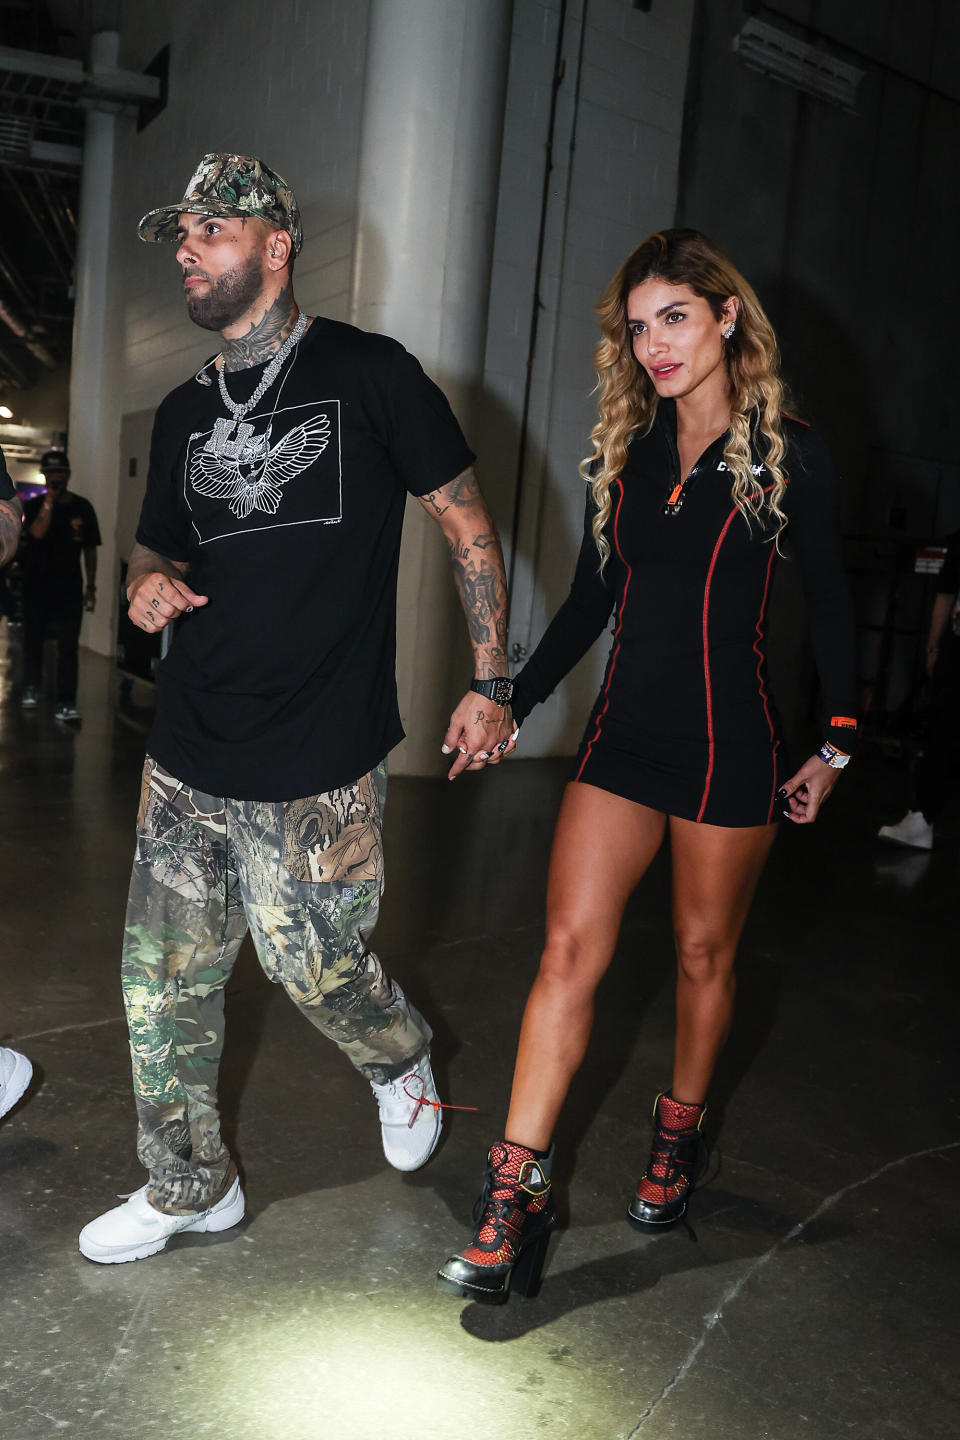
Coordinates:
(477, 568)
(9, 529)
(484, 597)
(464, 492)
(263, 339)
(431, 500)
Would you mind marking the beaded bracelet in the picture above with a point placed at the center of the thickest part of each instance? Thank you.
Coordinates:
(833, 757)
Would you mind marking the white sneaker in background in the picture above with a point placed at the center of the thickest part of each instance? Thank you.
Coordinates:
(913, 830)
(15, 1074)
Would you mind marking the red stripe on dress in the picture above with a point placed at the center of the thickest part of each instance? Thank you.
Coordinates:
(706, 662)
(616, 635)
(762, 688)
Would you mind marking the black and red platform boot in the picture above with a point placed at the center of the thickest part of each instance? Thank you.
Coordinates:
(675, 1158)
(514, 1216)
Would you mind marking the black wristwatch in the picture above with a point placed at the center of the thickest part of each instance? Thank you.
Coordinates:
(499, 690)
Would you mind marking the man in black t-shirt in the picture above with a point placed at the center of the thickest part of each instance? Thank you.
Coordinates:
(270, 532)
(59, 529)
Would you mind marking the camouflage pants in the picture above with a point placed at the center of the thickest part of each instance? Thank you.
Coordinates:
(305, 877)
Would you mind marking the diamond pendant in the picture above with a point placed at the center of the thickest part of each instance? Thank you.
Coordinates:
(223, 444)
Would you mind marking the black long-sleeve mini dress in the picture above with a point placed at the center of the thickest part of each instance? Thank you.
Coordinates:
(685, 722)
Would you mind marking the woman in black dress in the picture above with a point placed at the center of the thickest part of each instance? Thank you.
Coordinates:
(697, 482)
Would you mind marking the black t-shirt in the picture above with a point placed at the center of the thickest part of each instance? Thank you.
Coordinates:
(54, 561)
(284, 684)
(7, 487)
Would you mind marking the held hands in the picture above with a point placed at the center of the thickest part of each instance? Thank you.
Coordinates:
(805, 792)
(481, 731)
(90, 598)
(155, 599)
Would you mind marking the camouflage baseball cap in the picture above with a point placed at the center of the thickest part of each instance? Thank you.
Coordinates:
(230, 185)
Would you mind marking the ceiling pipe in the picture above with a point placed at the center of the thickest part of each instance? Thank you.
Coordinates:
(39, 351)
(55, 255)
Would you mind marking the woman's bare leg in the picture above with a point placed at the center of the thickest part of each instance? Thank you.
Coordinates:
(715, 874)
(601, 848)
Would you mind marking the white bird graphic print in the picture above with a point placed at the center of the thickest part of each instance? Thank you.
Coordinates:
(255, 479)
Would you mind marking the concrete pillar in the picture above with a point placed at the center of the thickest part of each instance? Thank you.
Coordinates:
(94, 427)
(429, 170)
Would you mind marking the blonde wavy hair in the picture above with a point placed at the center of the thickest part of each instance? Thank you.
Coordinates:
(628, 400)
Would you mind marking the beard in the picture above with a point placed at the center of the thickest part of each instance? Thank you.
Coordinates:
(228, 298)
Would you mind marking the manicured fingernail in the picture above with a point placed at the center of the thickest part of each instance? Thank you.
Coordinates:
(781, 793)
(463, 749)
(189, 610)
(446, 750)
(481, 755)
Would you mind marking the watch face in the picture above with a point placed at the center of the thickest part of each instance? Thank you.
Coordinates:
(503, 691)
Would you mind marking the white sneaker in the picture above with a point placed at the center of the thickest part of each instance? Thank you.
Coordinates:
(15, 1073)
(136, 1229)
(66, 712)
(410, 1120)
(913, 830)
(29, 699)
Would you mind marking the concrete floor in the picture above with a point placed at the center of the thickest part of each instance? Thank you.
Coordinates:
(818, 1301)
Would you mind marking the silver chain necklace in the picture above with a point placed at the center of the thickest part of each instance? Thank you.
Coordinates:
(222, 442)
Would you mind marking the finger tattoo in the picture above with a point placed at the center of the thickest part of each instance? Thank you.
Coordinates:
(155, 603)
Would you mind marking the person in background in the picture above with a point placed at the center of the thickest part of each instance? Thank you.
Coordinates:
(61, 535)
(936, 780)
(697, 481)
(15, 1069)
